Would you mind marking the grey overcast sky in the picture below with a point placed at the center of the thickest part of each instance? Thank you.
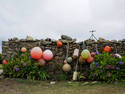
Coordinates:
(52, 18)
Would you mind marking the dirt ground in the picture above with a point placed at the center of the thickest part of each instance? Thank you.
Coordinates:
(18, 86)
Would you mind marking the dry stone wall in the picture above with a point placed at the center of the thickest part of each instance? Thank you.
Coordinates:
(13, 46)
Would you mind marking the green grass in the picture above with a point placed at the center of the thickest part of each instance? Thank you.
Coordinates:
(19, 86)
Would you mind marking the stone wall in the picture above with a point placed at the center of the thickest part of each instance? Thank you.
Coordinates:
(13, 46)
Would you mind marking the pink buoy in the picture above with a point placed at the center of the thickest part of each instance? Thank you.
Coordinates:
(36, 53)
(5, 62)
(92, 54)
(47, 55)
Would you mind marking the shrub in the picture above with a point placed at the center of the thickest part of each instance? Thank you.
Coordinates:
(22, 66)
(107, 67)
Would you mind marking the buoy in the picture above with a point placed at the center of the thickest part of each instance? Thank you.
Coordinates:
(36, 53)
(47, 55)
(75, 53)
(23, 49)
(81, 60)
(66, 67)
(90, 59)
(59, 43)
(85, 54)
(107, 49)
(69, 59)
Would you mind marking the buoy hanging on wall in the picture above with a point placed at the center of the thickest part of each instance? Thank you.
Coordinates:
(59, 43)
(23, 49)
(47, 55)
(90, 59)
(92, 54)
(66, 67)
(85, 54)
(76, 53)
(36, 53)
(69, 59)
(81, 60)
(107, 49)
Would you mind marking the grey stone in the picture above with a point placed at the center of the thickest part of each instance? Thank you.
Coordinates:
(65, 37)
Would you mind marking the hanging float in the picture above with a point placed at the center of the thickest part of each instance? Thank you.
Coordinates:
(81, 60)
(59, 44)
(107, 49)
(92, 54)
(36, 53)
(69, 59)
(85, 54)
(23, 49)
(76, 53)
(66, 67)
(90, 59)
(47, 55)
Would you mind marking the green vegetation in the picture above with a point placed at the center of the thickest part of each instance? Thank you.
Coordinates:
(22, 66)
(108, 67)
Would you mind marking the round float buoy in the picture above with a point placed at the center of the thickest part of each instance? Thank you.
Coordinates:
(90, 59)
(85, 54)
(36, 53)
(23, 49)
(107, 49)
(66, 67)
(47, 55)
(59, 43)
(69, 59)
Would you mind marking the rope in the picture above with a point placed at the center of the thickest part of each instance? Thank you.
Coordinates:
(96, 47)
(83, 45)
(67, 50)
(116, 50)
(77, 62)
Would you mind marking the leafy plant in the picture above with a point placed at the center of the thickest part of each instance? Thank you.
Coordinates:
(107, 67)
(23, 66)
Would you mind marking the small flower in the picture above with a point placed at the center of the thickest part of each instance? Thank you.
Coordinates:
(113, 55)
(17, 69)
(121, 63)
(107, 66)
(24, 64)
(96, 63)
(101, 71)
(98, 66)
(109, 75)
(117, 68)
(30, 57)
(94, 74)
(21, 62)
(112, 67)
(22, 55)
(97, 53)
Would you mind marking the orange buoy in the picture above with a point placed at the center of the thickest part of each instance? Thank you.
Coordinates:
(90, 59)
(59, 43)
(23, 49)
(107, 49)
(36, 53)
